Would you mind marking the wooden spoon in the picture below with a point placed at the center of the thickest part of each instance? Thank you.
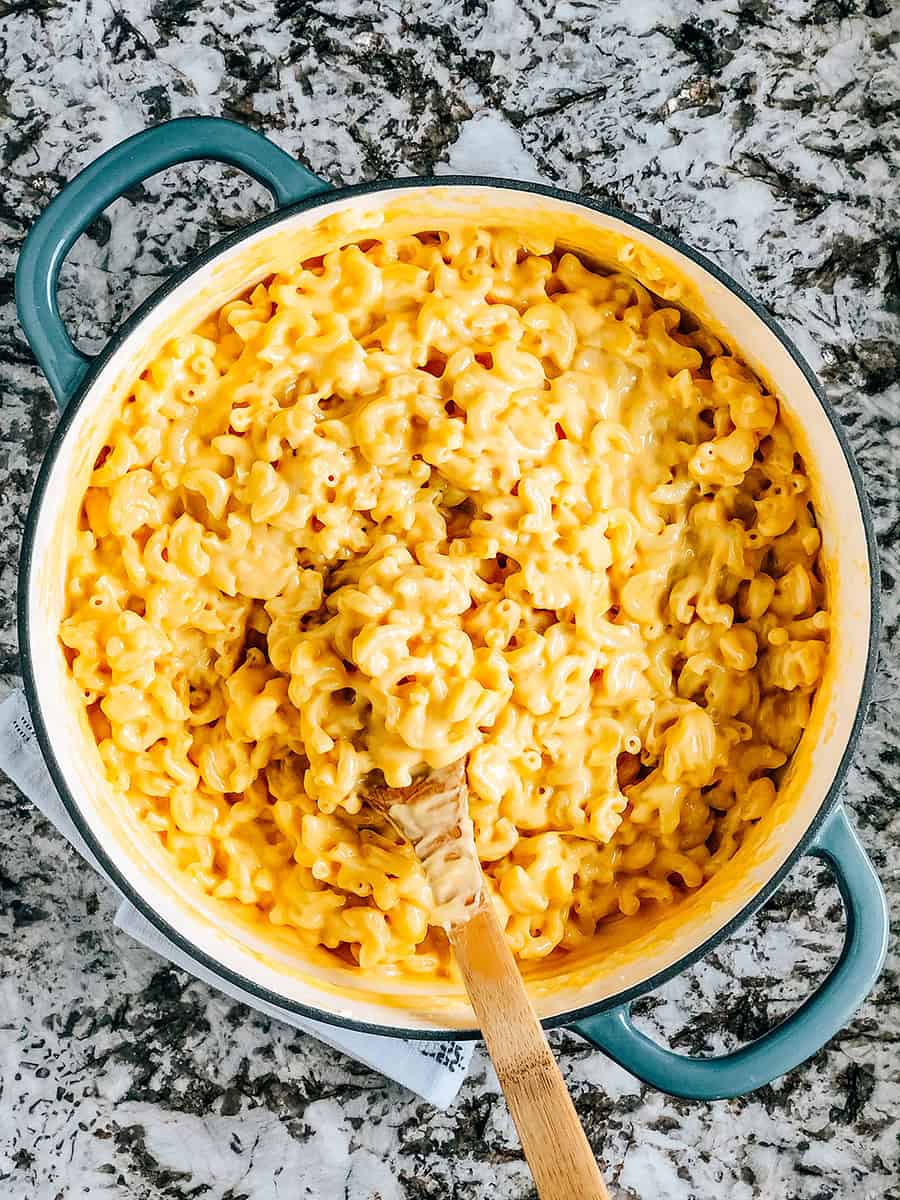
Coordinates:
(433, 815)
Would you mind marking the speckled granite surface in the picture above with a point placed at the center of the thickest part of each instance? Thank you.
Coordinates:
(768, 134)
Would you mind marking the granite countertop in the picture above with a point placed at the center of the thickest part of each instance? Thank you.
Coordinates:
(768, 135)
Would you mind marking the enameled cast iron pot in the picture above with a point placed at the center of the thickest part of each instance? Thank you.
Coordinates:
(592, 997)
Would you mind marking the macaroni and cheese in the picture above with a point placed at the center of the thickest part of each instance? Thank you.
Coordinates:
(457, 493)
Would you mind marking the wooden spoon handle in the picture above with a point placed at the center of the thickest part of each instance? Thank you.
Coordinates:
(555, 1146)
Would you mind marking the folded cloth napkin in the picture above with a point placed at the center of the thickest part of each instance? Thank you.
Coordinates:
(434, 1070)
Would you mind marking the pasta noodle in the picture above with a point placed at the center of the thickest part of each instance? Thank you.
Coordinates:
(456, 493)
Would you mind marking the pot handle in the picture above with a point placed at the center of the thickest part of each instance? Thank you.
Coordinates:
(800, 1035)
(83, 199)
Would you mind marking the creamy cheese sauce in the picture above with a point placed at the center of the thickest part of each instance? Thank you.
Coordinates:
(443, 493)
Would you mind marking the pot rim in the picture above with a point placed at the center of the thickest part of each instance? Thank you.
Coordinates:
(26, 564)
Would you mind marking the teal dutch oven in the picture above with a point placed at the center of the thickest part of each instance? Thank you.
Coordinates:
(594, 998)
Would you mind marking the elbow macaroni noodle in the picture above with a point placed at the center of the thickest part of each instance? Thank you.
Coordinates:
(435, 495)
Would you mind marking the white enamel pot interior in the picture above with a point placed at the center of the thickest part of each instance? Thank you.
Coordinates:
(631, 956)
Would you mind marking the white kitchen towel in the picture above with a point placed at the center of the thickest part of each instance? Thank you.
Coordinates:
(433, 1070)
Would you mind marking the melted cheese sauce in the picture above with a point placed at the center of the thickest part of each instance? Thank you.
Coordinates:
(434, 495)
